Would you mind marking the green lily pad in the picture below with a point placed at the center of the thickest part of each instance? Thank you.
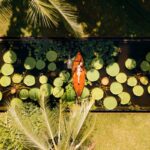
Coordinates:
(29, 63)
(43, 79)
(5, 81)
(17, 78)
(148, 57)
(40, 64)
(85, 93)
(138, 90)
(64, 75)
(1, 95)
(148, 89)
(10, 57)
(58, 82)
(124, 97)
(132, 81)
(105, 81)
(46, 89)
(7, 69)
(110, 103)
(98, 63)
(116, 88)
(23, 94)
(113, 69)
(52, 67)
(29, 80)
(93, 75)
(145, 66)
(58, 92)
(34, 94)
(70, 93)
(16, 102)
(97, 93)
(51, 56)
(130, 63)
(121, 77)
(144, 80)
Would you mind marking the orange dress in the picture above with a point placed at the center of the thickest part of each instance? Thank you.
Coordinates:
(78, 73)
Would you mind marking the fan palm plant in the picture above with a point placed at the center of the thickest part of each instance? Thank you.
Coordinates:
(45, 13)
(58, 130)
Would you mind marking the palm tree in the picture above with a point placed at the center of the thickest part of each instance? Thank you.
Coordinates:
(45, 13)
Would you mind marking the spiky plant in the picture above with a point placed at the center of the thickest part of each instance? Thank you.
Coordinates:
(46, 13)
(52, 129)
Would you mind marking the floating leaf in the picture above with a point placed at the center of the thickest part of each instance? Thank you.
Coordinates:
(40, 64)
(10, 57)
(16, 102)
(130, 63)
(43, 79)
(93, 75)
(116, 88)
(29, 80)
(1, 95)
(70, 93)
(58, 82)
(105, 81)
(97, 93)
(110, 103)
(138, 90)
(34, 94)
(98, 63)
(145, 66)
(124, 97)
(148, 57)
(85, 93)
(58, 92)
(51, 56)
(148, 89)
(144, 80)
(29, 63)
(121, 77)
(17, 78)
(46, 89)
(7, 69)
(113, 69)
(64, 75)
(52, 67)
(132, 81)
(23, 94)
(5, 81)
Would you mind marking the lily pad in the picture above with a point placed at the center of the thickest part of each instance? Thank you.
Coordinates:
(97, 93)
(10, 57)
(138, 90)
(148, 89)
(51, 56)
(5, 81)
(116, 88)
(124, 97)
(144, 80)
(64, 75)
(58, 82)
(93, 75)
(132, 81)
(17, 78)
(43, 79)
(113, 69)
(23, 94)
(52, 67)
(110, 103)
(29, 80)
(7, 69)
(130, 63)
(1, 95)
(145, 66)
(16, 102)
(46, 89)
(29, 63)
(85, 93)
(105, 81)
(98, 63)
(121, 77)
(40, 64)
(70, 93)
(148, 57)
(58, 92)
(34, 94)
